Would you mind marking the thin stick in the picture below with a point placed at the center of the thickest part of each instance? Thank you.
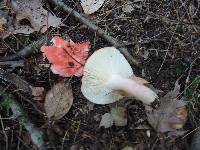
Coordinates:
(16, 80)
(12, 64)
(21, 84)
(96, 29)
(4, 133)
(35, 134)
(27, 51)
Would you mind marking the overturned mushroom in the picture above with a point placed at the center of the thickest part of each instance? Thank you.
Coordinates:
(108, 77)
(67, 58)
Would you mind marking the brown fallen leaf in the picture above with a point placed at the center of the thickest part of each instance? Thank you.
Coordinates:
(2, 22)
(58, 100)
(171, 114)
(29, 16)
(91, 6)
(119, 116)
(106, 120)
(5, 20)
(116, 116)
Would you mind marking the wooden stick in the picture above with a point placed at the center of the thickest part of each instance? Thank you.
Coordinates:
(18, 112)
(16, 80)
(19, 84)
(27, 51)
(12, 64)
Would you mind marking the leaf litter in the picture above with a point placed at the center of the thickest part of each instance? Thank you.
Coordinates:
(58, 100)
(179, 111)
(29, 16)
(106, 120)
(171, 114)
(91, 6)
(117, 116)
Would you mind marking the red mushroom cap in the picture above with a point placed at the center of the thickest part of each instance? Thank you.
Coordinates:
(67, 58)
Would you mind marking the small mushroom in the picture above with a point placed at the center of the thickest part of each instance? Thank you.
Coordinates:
(108, 77)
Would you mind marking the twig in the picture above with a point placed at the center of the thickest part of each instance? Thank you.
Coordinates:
(169, 45)
(27, 147)
(16, 80)
(35, 134)
(63, 140)
(96, 29)
(4, 133)
(19, 134)
(21, 85)
(11, 140)
(27, 51)
(32, 103)
(197, 41)
(12, 64)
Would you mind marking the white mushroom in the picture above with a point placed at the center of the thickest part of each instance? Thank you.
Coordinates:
(108, 76)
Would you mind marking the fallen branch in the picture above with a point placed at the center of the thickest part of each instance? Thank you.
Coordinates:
(12, 64)
(96, 29)
(16, 81)
(27, 51)
(20, 84)
(35, 134)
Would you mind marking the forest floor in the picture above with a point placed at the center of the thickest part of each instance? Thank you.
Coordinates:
(163, 36)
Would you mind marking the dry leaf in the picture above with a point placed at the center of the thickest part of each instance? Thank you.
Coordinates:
(171, 114)
(128, 8)
(5, 20)
(91, 6)
(33, 11)
(119, 116)
(58, 100)
(2, 23)
(30, 16)
(106, 120)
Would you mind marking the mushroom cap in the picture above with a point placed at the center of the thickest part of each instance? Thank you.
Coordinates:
(66, 57)
(99, 68)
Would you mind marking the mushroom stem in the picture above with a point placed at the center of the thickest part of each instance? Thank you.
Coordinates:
(132, 88)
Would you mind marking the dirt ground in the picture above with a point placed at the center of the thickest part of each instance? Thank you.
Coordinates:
(166, 37)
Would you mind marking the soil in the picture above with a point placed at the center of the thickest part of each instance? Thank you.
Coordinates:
(171, 30)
